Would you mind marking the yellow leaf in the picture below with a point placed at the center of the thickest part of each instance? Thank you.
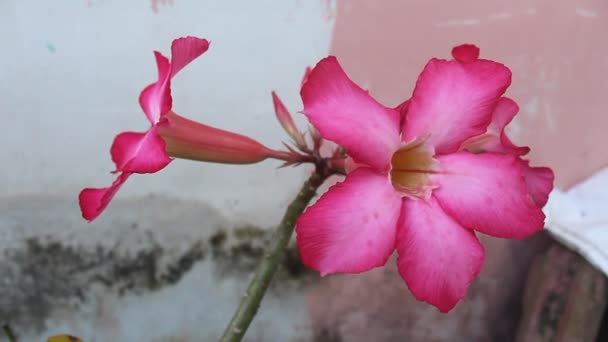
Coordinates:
(64, 338)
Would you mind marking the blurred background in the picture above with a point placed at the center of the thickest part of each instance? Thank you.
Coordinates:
(170, 257)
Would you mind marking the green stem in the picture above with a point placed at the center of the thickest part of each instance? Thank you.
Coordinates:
(268, 266)
(9, 333)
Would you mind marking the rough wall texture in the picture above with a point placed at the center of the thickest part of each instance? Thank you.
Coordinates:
(156, 269)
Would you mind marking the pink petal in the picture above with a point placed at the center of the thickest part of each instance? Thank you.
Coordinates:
(487, 192)
(402, 109)
(438, 258)
(454, 101)
(496, 139)
(93, 201)
(505, 111)
(136, 152)
(155, 99)
(465, 53)
(185, 50)
(305, 77)
(349, 116)
(539, 181)
(351, 228)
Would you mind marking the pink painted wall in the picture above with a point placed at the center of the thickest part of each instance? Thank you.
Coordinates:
(557, 51)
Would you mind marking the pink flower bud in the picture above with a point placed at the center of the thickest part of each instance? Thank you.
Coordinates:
(286, 121)
(188, 139)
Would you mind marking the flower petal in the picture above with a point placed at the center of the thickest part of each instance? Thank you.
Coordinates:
(349, 116)
(155, 99)
(539, 181)
(487, 192)
(505, 111)
(438, 258)
(465, 53)
(93, 201)
(305, 76)
(454, 101)
(495, 139)
(184, 50)
(137, 152)
(351, 228)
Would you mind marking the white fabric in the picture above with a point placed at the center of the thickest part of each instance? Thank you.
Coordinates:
(579, 218)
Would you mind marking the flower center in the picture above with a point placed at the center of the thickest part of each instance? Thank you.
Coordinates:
(411, 167)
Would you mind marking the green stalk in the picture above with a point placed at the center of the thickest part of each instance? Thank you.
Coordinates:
(9, 333)
(268, 266)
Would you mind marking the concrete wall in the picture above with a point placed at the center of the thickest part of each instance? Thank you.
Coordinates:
(169, 259)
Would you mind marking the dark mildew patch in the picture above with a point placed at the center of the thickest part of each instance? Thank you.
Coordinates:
(239, 250)
(53, 265)
(43, 274)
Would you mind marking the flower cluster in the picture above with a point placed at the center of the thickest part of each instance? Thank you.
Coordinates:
(421, 178)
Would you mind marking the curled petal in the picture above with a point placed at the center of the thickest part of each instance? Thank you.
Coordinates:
(349, 116)
(465, 53)
(189, 139)
(93, 201)
(438, 258)
(351, 228)
(487, 192)
(136, 152)
(539, 181)
(184, 50)
(495, 139)
(454, 101)
(155, 99)
(505, 111)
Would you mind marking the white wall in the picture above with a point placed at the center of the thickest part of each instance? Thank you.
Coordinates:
(72, 71)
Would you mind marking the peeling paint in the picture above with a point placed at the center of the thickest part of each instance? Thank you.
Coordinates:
(531, 107)
(499, 16)
(550, 117)
(459, 22)
(586, 13)
(154, 4)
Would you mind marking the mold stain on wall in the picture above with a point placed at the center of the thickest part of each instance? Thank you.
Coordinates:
(41, 274)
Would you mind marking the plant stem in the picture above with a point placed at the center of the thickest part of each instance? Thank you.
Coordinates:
(268, 266)
(9, 333)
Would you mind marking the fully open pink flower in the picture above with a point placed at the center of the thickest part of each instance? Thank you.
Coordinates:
(170, 134)
(414, 188)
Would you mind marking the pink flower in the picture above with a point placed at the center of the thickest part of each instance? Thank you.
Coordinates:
(171, 134)
(412, 185)
(135, 152)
